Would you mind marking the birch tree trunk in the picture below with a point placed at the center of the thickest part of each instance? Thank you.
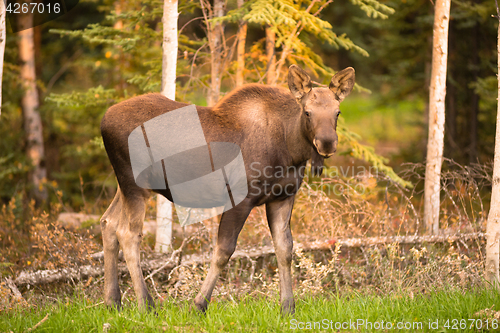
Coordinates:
(271, 57)
(168, 76)
(437, 95)
(493, 224)
(240, 63)
(30, 104)
(3, 37)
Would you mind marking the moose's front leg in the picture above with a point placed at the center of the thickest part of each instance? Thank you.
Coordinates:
(230, 226)
(278, 216)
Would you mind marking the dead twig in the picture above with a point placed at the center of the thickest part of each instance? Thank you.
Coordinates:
(319, 84)
(39, 323)
(132, 320)
(154, 287)
(124, 296)
(172, 257)
(92, 306)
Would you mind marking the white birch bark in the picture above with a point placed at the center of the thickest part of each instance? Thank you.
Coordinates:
(437, 95)
(168, 76)
(493, 224)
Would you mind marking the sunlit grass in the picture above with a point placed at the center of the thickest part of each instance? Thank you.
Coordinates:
(251, 314)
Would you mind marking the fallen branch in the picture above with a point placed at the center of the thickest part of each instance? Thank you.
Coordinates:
(156, 265)
(39, 323)
(56, 275)
(414, 239)
(15, 291)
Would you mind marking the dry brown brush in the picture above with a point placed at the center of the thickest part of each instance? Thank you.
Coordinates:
(328, 209)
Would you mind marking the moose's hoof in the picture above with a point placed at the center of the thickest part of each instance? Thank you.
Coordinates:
(113, 304)
(148, 303)
(113, 298)
(201, 303)
(288, 308)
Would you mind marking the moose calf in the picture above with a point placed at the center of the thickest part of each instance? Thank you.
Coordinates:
(275, 129)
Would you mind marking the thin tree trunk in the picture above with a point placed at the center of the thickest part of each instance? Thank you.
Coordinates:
(215, 37)
(118, 25)
(30, 104)
(287, 47)
(493, 224)
(474, 109)
(168, 76)
(451, 97)
(169, 47)
(271, 56)
(428, 72)
(451, 120)
(3, 35)
(242, 36)
(437, 95)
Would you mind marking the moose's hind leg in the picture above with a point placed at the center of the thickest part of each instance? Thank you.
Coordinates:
(130, 236)
(109, 225)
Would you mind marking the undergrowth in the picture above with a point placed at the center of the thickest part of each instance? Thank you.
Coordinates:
(31, 239)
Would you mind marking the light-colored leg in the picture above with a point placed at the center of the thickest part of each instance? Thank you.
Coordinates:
(130, 236)
(278, 216)
(109, 225)
(230, 226)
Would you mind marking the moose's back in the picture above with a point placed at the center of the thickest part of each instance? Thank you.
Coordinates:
(253, 117)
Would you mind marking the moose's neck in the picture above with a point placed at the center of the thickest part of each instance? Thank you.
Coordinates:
(258, 105)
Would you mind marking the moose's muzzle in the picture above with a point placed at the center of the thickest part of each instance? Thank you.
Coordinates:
(326, 146)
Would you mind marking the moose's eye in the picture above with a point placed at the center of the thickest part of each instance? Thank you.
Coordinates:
(338, 113)
(308, 113)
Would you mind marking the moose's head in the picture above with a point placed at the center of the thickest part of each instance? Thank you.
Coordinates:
(320, 108)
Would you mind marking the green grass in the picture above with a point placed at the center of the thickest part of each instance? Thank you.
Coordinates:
(262, 315)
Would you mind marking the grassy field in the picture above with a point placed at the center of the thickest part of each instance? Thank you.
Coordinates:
(441, 311)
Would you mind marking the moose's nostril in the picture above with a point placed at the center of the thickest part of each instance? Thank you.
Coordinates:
(325, 148)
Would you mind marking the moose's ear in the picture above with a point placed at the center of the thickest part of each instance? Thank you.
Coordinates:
(298, 82)
(342, 83)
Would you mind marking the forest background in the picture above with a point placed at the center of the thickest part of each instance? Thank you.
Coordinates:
(85, 64)
(102, 52)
